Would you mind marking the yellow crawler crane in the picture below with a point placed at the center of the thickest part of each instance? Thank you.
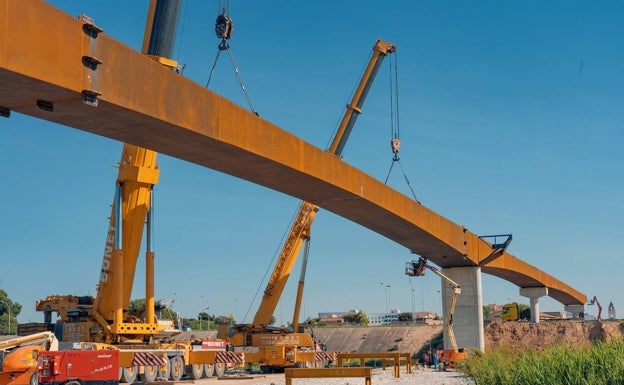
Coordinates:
(278, 348)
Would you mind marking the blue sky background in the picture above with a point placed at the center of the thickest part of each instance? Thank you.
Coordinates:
(511, 117)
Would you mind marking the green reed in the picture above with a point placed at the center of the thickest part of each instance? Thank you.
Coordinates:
(599, 363)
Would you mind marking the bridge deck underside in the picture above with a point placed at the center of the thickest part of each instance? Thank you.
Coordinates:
(145, 104)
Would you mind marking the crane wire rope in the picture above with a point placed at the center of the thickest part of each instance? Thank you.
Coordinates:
(181, 38)
(290, 222)
(278, 249)
(395, 141)
(224, 27)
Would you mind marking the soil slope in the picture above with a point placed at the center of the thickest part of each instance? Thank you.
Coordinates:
(525, 335)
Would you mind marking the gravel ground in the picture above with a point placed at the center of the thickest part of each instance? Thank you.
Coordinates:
(380, 377)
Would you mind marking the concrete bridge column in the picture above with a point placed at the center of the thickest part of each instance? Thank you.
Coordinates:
(468, 317)
(534, 293)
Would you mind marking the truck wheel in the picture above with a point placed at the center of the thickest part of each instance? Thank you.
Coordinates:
(220, 369)
(177, 368)
(209, 370)
(150, 373)
(34, 379)
(165, 371)
(73, 382)
(129, 374)
(195, 371)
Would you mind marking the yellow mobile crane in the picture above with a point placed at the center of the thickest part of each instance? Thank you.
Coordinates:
(453, 355)
(277, 348)
(105, 321)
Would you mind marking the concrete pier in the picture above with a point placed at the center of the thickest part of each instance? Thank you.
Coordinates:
(534, 294)
(468, 317)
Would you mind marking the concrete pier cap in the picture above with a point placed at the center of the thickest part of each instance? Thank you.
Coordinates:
(578, 311)
(534, 293)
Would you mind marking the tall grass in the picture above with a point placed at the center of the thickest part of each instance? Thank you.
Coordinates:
(599, 363)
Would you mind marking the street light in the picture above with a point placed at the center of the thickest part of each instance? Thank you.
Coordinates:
(386, 287)
(200, 317)
(179, 314)
(9, 307)
(413, 306)
(441, 302)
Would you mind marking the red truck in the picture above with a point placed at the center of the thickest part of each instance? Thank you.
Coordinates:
(79, 367)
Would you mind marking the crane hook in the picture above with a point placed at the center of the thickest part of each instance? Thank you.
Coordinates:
(396, 146)
(223, 28)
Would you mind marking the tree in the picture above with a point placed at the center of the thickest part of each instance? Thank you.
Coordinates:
(486, 312)
(357, 317)
(524, 311)
(405, 317)
(137, 305)
(9, 311)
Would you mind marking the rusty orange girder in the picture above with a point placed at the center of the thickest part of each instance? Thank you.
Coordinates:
(48, 59)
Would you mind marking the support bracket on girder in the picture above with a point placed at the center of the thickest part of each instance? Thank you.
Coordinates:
(89, 27)
(90, 97)
(5, 112)
(497, 248)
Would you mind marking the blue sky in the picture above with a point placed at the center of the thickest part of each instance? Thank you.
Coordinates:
(511, 117)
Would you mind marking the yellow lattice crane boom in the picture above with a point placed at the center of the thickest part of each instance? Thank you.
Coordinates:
(257, 333)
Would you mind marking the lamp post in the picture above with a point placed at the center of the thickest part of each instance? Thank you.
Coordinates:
(385, 296)
(413, 307)
(441, 302)
(8, 307)
(179, 314)
(386, 287)
(200, 317)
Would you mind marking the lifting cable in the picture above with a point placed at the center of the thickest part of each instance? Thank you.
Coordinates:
(224, 27)
(395, 141)
(268, 270)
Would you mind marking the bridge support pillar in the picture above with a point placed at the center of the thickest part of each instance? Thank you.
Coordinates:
(578, 311)
(534, 293)
(468, 317)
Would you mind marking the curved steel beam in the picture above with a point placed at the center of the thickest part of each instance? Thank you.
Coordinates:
(71, 74)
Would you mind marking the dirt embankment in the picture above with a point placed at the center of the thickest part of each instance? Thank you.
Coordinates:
(525, 335)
